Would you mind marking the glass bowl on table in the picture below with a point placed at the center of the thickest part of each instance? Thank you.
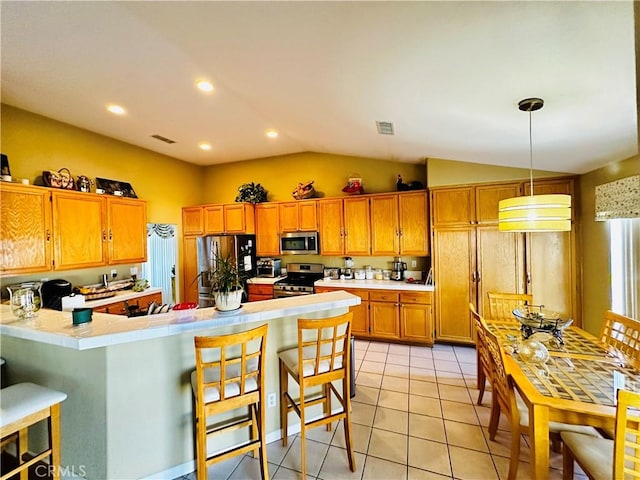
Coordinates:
(536, 319)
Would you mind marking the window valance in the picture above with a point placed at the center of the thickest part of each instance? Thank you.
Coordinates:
(618, 199)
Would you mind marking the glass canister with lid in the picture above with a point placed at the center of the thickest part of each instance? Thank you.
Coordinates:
(25, 299)
(368, 272)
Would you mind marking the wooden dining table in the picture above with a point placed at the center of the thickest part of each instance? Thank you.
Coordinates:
(575, 386)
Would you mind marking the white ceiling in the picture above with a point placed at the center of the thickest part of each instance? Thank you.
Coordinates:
(449, 76)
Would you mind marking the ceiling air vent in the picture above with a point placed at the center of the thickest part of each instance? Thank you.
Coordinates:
(163, 139)
(385, 128)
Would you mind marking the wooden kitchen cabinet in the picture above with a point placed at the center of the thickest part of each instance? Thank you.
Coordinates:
(93, 230)
(126, 230)
(190, 269)
(344, 226)
(259, 292)
(298, 216)
(193, 221)
(229, 218)
(416, 316)
(401, 224)
(267, 236)
(142, 302)
(393, 315)
(472, 257)
(80, 230)
(25, 229)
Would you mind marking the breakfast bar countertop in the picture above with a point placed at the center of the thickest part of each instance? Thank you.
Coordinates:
(55, 327)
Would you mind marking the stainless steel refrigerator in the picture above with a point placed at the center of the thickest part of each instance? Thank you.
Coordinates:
(242, 247)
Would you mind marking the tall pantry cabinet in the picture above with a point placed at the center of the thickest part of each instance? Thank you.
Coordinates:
(472, 257)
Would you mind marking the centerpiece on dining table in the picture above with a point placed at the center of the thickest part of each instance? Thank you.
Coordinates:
(535, 318)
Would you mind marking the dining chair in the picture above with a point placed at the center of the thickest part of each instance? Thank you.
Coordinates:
(501, 305)
(623, 334)
(321, 358)
(229, 376)
(603, 458)
(483, 358)
(504, 398)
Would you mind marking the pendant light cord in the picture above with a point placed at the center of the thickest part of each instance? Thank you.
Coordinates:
(530, 156)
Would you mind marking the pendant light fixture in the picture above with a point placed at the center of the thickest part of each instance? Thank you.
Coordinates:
(534, 213)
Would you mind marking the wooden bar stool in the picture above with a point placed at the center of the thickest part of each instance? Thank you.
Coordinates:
(229, 375)
(322, 357)
(23, 405)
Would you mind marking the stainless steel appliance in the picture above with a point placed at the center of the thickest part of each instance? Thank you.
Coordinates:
(299, 280)
(299, 243)
(242, 247)
(347, 271)
(398, 269)
(269, 267)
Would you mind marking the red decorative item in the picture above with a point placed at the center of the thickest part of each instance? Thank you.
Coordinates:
(354, 185)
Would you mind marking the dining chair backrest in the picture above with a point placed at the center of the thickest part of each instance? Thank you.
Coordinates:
(626, 457)
(500, 377)
(483, 356)
(623, 334)
(502, 305)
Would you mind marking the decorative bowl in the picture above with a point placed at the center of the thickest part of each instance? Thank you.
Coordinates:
(541, 319)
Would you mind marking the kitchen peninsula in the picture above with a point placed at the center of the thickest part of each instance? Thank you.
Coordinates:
(128, 379)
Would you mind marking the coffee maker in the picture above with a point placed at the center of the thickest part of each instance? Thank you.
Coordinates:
(397, 272)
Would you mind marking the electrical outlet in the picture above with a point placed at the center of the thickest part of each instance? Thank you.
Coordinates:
(271, 400)
(114, 273)
(414, 264)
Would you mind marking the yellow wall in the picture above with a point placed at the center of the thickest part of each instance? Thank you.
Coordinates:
(280, 175)
(596, 273)
(442, 172)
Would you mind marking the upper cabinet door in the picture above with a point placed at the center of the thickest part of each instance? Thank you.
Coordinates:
(127, 230)
(213, 219)
(308, 216)
(80, 233)
(193, 220)
(267, 237)
(488, 198)
(239, 218)
(331, 227)
(25, 229)
(288, 217)
(357, 224)
(385, 228)
(414, 224)
(452, 206)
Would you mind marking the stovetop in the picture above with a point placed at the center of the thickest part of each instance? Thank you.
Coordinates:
(302, 274)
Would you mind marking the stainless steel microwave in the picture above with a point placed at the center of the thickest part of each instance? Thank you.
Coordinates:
(299, 243)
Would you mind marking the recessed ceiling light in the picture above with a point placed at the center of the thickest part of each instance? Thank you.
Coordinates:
(271, 133)
(204, 86)
(116, 109)
(205, 146)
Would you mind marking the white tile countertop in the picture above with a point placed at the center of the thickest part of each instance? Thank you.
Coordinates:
(375, 285)
(56, 328)
(121, 296)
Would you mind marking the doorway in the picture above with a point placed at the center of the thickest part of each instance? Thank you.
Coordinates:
(162, 255)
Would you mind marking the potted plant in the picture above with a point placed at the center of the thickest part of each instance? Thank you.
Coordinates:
(225, 280)
(252, 193)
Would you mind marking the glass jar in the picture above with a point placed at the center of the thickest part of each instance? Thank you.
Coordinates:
(378, 274)
(368, 272)
(25, 299)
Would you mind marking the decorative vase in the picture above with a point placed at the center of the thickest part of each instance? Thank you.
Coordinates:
(228, 301)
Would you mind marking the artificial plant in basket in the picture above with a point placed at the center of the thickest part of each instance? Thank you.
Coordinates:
(252, 193)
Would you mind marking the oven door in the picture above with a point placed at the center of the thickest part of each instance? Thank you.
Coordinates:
(287, 293)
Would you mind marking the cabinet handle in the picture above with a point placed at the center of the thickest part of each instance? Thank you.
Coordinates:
(528, 278)
(401, 232)
(110, 235)
(48, 235)
(473, 277)
(478, 276)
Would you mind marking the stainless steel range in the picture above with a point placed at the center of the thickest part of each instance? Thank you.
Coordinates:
(299, 280)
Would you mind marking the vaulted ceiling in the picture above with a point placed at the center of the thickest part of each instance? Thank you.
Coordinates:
(448, 75)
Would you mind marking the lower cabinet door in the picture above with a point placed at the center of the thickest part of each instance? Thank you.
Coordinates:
(385, 321)
(416, 322)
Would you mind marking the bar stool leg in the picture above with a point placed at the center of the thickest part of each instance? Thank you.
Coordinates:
(327, 403)
(23, 448)
(284, 403)
(347, 424)
(303, 440)
(54, 436)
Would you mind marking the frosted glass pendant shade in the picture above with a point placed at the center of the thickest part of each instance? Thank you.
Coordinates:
(535, 213)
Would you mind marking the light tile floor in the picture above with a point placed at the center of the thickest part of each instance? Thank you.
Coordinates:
(414, 417)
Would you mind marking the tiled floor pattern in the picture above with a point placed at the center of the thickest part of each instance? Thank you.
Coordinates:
(413, 417)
